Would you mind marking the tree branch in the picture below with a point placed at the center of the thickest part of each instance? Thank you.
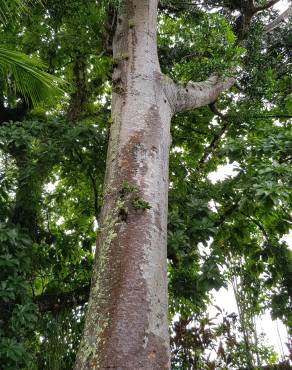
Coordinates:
(267, 6)
(271, 26)
(259, 225)
(95, 194)
(55, 302)
(229, 211)
(199, 94)
(196, 94)
(209, 150)
(94, 189)
(79, 97)
(247, 11)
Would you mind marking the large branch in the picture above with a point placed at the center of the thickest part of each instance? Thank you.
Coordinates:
(199, 94)
(196, 94)
(282, 17)
(55, 302)
(247, 11)
(267, 6)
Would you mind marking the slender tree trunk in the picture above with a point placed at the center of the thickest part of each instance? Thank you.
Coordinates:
(126, 325)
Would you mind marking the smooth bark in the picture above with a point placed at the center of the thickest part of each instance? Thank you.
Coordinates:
(126, 324)
(196, 94)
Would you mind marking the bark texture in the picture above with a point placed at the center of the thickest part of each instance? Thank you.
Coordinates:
(196, 94)
(126, 325)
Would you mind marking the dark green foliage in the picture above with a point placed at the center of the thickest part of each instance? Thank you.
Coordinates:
(60, 258)
(18, 313)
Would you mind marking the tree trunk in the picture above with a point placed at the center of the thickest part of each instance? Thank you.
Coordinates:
(126, 324)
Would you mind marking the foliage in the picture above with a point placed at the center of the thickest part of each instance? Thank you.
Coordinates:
(18, 313)
(23, 74)
(213, 343)
(139, 203)
(30, 80)
(7, 10)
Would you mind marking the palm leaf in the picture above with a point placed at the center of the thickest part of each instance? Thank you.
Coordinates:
(10, 7)
(27, 76)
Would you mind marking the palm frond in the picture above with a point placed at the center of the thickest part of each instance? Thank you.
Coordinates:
(27, 76)
(10, 7)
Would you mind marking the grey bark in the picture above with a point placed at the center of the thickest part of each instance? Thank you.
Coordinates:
(196, 94)
(281, 18)
(126, 324)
